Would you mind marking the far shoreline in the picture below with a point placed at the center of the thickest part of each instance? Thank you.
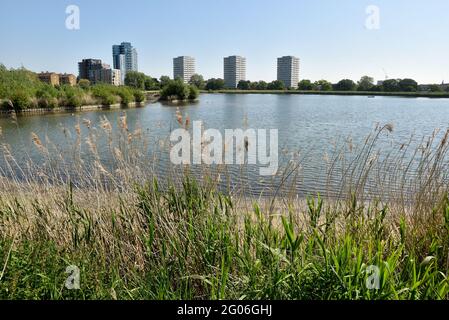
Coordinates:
(434, 95)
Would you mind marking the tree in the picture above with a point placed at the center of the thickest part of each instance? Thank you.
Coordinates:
(345, 85)
(135, 80)
(151, 83)
(177, 89)
(276, 85)
(84, 84)
(408, 85)
(164, 80)
(365, 83)
(322, 85)
(243, 85)
(391, 85)
(305, 85)
(261, 85)
(253, 85)
(194, 92)
(376, 88)
(435, 88)
(197, 80)
(215, 84)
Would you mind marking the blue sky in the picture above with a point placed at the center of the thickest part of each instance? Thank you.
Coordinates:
(329, 36)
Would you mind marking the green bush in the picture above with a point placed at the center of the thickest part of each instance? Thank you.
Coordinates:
(139, 96)
(215, 84)
(125, 95)
(20, 100)
(73, 101)
(73, 91)
(47, 97)
(14, 80)
(70, 96)
(84, 84)
(47, 91)
(53, 103)
(178, 90)
(47, 103)
(194, 93)
(108, 99)
(106, 95)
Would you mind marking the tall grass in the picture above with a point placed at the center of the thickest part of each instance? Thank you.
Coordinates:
(137, 234)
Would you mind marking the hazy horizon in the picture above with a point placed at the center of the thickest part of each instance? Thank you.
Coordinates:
(331, 38)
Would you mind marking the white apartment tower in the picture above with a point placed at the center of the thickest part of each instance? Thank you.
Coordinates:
(288, 71)
(234, 71)
(183, 68)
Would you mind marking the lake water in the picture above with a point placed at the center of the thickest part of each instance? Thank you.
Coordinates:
(308, 125)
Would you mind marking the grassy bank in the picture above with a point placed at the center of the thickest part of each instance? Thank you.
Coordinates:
(340, 93)
(194, 243)
(136, 235)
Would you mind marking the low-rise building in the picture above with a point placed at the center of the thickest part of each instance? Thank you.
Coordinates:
(67, 79)
(51, 78)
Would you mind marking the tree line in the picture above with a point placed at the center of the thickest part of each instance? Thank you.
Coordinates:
(366, 83)
(169, 89)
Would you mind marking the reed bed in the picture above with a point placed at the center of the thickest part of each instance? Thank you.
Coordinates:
(135, 233)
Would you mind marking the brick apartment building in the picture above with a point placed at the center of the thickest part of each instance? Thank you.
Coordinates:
(49, 77)
(67, 79)
(56, 79)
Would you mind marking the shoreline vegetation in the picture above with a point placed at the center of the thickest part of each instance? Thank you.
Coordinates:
(46, 111)
(173, 91)
(178, 91)
(364, 87)
(21, 90)
(335, 93)
(134, 234)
